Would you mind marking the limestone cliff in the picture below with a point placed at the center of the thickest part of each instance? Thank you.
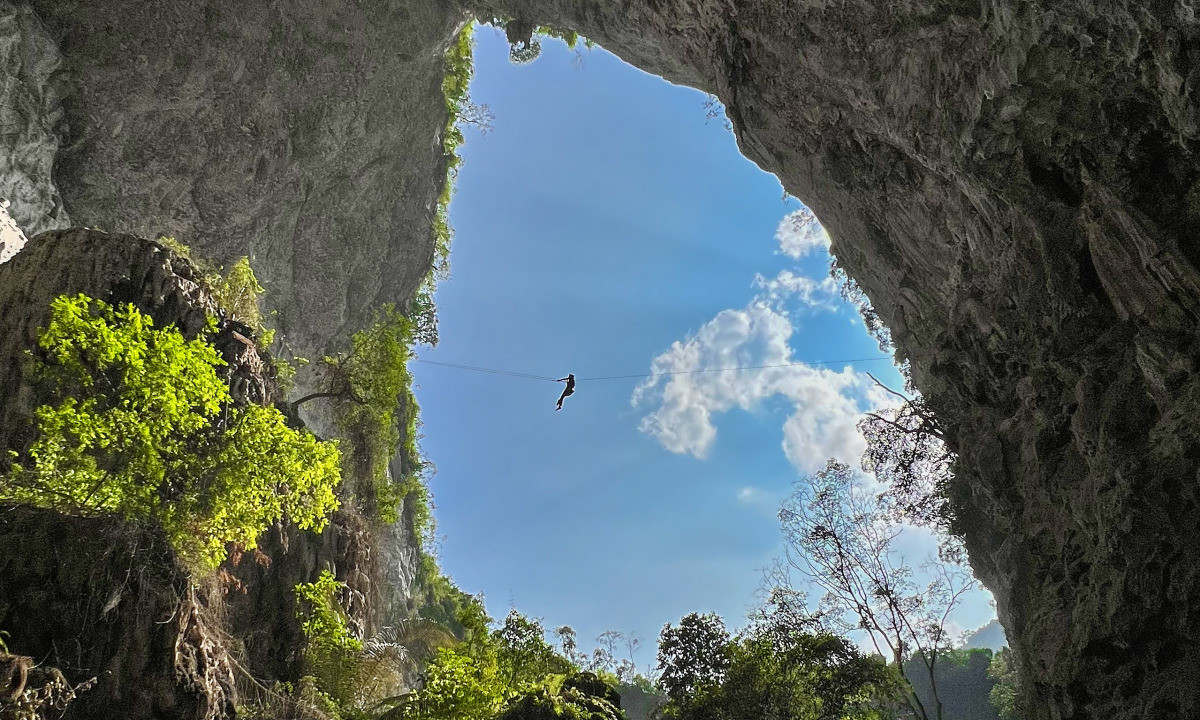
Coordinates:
(305, 135)
(97, 597)
(1013, 183)
(102, 598)
(32, 119)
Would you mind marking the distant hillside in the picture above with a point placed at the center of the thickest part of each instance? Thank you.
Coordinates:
(990, 636)
(963, 684)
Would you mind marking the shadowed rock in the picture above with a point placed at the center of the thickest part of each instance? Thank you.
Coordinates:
(1014, 184)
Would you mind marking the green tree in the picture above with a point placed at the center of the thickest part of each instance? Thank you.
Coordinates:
(693, 657)
(1004, 693)
(509, 672)
(464, 682)
(455, 686)
(839, 536)
(331, 650)
(524, 655)
(378, 416)
(138, 423)
(775, 670)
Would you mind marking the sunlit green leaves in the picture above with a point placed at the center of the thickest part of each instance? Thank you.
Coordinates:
(380, 412)
(139, 423)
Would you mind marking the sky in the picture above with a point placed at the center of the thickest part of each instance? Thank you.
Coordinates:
(606, 226)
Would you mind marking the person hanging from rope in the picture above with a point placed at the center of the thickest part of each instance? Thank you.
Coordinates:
(568, 390)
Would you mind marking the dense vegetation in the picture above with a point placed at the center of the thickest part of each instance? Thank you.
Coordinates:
(137, 422)
(782, 667)
(371, 391)
(236, 289)
(1004, 693)
(487, 672)
(511, 671)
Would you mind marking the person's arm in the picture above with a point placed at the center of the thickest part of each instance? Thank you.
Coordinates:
(561, 380)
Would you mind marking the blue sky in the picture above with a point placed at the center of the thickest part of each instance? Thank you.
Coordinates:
(606, 227)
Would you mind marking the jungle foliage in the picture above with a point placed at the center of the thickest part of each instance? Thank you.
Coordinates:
(782, 667)
(378, 420)
(137, 422)
(235, 289)
(1003, 694)
(511, 671)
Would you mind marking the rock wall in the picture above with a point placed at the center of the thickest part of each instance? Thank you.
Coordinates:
(113, 268)
(1013, 183)
(304, 134)
(32, 121)
(102, 598)
(110, 602)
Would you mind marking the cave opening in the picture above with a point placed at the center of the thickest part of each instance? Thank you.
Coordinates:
(606, 224)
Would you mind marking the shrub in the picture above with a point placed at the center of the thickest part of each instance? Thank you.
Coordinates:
(236, 290)
(332, 651)
(139, 424)
(378, 412)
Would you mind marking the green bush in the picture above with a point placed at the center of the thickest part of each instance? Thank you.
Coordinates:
(236, 290)
(508, 672)
(331, 653)
(378, 414)
(138, 423)
(460, 66)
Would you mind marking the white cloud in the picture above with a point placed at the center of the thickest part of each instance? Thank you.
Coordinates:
(691, 387)
(762, 502)
(818, 294)
(800, 233)
(751, 495)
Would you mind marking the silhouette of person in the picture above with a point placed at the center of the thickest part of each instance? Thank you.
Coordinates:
(568, 390)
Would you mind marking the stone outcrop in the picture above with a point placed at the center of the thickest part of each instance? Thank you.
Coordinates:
(102, 598)
(1013, 183)
(116, 269)
(112, 604)
(305, 135)
(32, 121)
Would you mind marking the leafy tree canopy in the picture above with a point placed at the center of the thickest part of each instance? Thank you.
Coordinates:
(1003, 694)
(509, 672)
(693, 656)
(138, 423)
(774, 670)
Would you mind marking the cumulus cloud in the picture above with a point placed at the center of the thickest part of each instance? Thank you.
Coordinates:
(819, 294)
(800, 233)
(692, 385)
(750, 495)
(760, 501)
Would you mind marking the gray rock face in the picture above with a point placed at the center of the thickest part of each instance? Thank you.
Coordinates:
(112, 604)
(1014, 184)
(31, 122)
(305, 135)
(108, 267)
(156, 659)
